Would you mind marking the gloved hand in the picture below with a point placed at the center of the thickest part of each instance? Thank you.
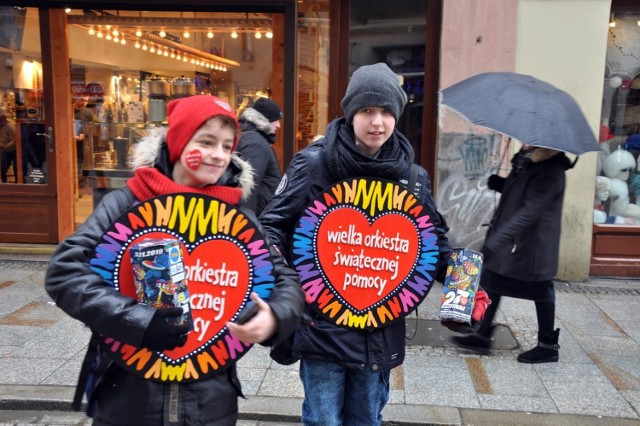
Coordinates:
(482, 302)
(161, 335)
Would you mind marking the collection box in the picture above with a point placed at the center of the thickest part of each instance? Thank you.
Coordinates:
(160, 276)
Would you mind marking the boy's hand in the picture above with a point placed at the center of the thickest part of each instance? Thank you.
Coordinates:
(259, 328)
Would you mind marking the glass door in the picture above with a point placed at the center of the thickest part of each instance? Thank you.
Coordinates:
(27, 139)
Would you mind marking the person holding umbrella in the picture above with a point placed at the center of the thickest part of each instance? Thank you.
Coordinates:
(522, 244)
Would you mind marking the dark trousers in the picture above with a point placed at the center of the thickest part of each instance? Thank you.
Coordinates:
(8, 159)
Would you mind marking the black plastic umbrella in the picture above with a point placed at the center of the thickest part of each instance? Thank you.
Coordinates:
(523, 107)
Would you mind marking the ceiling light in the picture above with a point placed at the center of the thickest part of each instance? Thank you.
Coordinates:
(67, 10)
(138, 33)
(173, 54)
(144, 47)
(92, 31)
(123, 41)
(258, 34)
(162, 33)
(115, 32)
(99, 34)
(234, 34)
(116, 39)
(269, 34)
(186, 34)
(152, 49)
(108, 36)
(210, 34)
(137, 45)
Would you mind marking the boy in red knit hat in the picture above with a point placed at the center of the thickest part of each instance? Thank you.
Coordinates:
(192, 155)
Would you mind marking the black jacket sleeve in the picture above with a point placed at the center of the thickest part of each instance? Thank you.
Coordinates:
(82, 293)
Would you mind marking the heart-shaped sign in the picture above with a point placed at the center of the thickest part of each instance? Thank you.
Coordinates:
(365, 262)
(366, 253)
(224, 256)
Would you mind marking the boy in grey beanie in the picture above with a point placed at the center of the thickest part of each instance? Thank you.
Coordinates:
(374, 86)
(345, 372)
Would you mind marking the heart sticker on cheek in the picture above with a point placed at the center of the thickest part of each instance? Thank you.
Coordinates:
(193, 159)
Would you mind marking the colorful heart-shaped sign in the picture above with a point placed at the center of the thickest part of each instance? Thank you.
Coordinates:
(366, 262)
(224, 256)
(366, 252)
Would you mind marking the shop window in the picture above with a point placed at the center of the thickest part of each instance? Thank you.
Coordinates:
(617, 198)
(23, 157)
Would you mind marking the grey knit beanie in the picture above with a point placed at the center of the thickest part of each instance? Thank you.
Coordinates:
(374, 86)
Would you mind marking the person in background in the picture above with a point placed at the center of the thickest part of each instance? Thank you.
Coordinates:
(521, 247)
(82, 115)
(345, 372)
(259, 124)
(7, 147)
(192, 155)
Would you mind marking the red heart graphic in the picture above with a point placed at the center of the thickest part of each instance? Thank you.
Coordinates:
(193, 159)
(206, 264)
(366, 262)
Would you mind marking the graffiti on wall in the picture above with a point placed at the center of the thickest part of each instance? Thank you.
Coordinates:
(465, 161)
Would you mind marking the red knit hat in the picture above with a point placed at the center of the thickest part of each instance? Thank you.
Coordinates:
(186, 115)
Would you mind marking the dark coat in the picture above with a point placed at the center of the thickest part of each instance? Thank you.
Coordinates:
(378, 350)
(118, 397)
(524, 236)
(255, 148)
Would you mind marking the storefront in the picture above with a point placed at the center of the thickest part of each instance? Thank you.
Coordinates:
(301, 53)
(128, 61)
(616, 239)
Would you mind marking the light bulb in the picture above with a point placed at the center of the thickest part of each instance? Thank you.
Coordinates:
(138, 33)
(115, 32)
(116, 39)
(152, 49)
(108, 36)
(145, 47)
(234, 34)
(162, 33)
(269, 34)
(92, 31)
(178, 57)
(173, 54)
(67, 10)
(165, 53)
(258, 34)
(137, 45)
(210, 34)
(99, 35)
(186, 34)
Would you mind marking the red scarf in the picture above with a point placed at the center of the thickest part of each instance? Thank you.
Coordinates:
(148, 182)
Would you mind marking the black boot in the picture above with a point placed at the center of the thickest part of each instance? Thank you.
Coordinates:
(476, 342)
(546, 351)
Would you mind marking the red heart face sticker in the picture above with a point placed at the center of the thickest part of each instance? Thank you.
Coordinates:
(193, 159)
(365, 262)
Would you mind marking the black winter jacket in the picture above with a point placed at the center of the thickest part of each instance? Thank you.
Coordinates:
(118, 397)
(378, 350)
(255, 147)
(524, 237)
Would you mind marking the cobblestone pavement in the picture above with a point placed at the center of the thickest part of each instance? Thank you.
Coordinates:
(596, 381)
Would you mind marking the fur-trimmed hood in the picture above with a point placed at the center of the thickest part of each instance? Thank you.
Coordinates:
(260, 122)
(151, 151)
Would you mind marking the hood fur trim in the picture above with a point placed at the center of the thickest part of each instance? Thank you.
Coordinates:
(147, 151)
(260, 121)
(543, 154)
